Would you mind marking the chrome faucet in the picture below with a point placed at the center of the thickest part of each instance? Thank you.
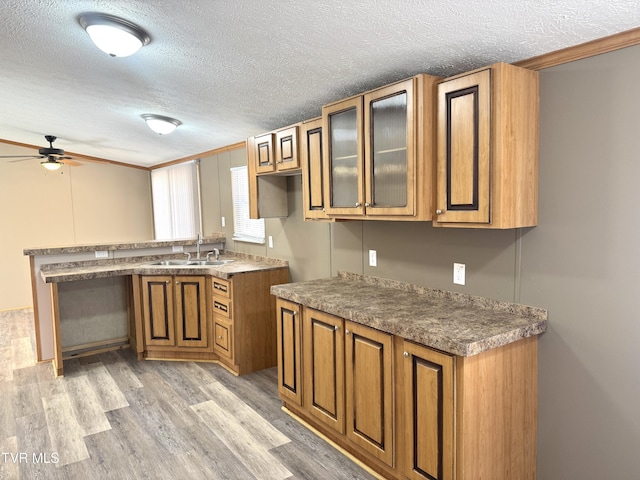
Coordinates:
(198, 243)
(216, 252)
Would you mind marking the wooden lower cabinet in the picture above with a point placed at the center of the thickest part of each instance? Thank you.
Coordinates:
(223, 338)
(428, 410)
(244, 319)
(289, 329)
(175, 311)
(323, 368)
(201, 317)
(369, 390)
(406, 410)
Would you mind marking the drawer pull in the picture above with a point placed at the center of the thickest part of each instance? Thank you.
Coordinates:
(220, 306)
(406, 354)
(220, 287)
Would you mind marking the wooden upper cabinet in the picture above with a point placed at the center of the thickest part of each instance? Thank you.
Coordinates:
(287, 154)
(276, 151)
(264, 155)
(343, 166)
(487, 164)
(379, 151)
(389, 138)
(267, 193)
(311, 160)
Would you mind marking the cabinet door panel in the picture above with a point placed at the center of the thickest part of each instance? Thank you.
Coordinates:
(312, 170)
(287, 149)
(429, 410)
(369, 390)
(389, 134)
(191, 312)
(157, 304)
(464, 112)
(289, 355)
(342, 124)
(324, 368)
(264, 154)
(223, 337)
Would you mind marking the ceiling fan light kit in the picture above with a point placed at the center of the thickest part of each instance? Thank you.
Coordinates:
(114, 35)
(160, 124)
(51, 165)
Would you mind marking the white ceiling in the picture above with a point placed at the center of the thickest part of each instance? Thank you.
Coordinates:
(235, 68)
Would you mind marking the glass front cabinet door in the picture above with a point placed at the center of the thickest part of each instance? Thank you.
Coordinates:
(370, 150)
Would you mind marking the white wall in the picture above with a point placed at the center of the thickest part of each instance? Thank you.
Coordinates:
(92, 203)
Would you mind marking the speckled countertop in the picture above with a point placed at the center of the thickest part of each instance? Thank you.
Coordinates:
(87, 270)
(452, 322)
(214, 238)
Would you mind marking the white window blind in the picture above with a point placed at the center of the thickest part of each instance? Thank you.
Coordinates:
(176, 212)
(245, 229)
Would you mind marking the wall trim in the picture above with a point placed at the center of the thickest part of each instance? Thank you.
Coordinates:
(208, 153)
(80, 156)
(599, 46)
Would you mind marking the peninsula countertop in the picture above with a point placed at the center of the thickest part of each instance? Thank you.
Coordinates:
(455, 323)
(114, 246)
(87, 270)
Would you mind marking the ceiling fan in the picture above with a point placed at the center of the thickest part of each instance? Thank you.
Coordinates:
(55, 157)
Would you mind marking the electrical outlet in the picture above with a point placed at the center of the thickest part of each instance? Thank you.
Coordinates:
(102, 254)
(177, 249)
(224, 222)
(458, 273)
(270, 241)
(373, 258)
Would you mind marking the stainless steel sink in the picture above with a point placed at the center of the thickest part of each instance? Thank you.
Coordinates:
(171, 263)
(191, 263)
(209, 262)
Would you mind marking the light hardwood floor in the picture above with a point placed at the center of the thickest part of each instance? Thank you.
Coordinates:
(111, 416)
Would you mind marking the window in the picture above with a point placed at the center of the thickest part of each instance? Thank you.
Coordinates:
(176, 200)
(245, 229)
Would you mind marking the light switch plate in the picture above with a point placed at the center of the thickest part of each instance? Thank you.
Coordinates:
(270, 241)
(224, 222)
(373, 258)
(177, 248)
(102, 254)
(459, 273)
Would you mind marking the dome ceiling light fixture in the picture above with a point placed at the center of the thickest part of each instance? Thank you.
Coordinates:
(114, 35)
(160, 124)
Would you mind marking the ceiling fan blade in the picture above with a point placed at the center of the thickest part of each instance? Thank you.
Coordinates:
(20, 156)
(70, 162)
(22, 159)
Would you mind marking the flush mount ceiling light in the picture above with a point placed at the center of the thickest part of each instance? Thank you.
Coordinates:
(160, 124)
(113, 35)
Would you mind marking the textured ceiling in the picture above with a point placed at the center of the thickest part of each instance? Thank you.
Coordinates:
(235, 68)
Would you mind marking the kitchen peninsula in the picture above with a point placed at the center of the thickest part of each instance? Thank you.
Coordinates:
(90, 298)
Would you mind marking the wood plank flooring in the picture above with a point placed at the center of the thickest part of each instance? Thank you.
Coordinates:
(111, 416)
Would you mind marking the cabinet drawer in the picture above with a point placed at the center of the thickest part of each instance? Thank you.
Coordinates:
(222, 306)
(223, 337)
(221, 287)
